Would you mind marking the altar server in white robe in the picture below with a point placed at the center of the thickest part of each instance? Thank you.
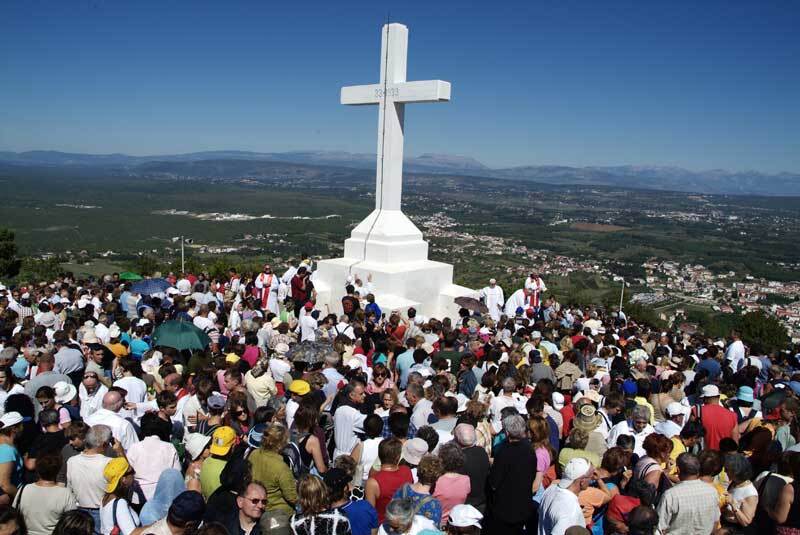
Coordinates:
(492, 296)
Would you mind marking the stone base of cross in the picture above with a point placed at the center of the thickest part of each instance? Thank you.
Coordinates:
(386, 243)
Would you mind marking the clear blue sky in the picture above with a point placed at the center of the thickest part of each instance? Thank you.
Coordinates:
(697, 84)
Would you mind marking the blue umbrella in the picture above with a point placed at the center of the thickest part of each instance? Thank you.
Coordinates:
(151, 286)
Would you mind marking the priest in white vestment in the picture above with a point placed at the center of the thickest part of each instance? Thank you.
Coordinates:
(267, 285)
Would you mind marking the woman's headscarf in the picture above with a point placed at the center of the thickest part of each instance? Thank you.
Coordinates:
(170, 484)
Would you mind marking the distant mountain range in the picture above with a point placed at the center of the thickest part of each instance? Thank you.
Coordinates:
(716, 181)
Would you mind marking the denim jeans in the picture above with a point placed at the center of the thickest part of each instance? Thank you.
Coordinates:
(96, 516)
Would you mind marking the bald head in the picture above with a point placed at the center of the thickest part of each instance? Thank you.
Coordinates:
(465, 435)
(112, 401)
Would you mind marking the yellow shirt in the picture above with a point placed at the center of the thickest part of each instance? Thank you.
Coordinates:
(677, 449)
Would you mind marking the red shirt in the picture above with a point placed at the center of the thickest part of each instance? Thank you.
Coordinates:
(388, 483)
(298, 293)
(620, 506)
(718, 423)
(567, 414)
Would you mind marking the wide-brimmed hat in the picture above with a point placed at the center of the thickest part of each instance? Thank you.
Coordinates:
(115, 470)
(65, 392)
(414, 450)
(587, 418)
(196, 443)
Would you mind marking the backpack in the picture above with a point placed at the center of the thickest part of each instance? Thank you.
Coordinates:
(294, 459)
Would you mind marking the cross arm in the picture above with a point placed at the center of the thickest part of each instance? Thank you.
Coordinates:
(401, 92)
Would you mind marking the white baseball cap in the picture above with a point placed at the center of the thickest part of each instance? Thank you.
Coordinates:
(464, 516)
(674, 409)
(709, 391)
(576, 468)
(10, 419)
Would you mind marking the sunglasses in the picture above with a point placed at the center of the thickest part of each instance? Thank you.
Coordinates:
(256, 501)
(382, 375)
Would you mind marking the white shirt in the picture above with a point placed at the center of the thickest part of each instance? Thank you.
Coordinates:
(347, 421)
(279, 368)
(121, 428)
(90, 403)
(333, 377)
(369, 454)
(420, 413)
(136, 393)
(344, 329)
(127, 519)
(559, 511)
(735, 353)
(668, 428)
(149, 458)
(85, 478)
(291, 409)
(622, 428)
(308, 328)
(496, 407)
(203, 323)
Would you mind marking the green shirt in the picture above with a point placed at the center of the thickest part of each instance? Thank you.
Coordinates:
(455, 360)
(270, 469)
(209, 475)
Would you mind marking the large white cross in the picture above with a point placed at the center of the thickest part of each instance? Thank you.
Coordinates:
(391, 96)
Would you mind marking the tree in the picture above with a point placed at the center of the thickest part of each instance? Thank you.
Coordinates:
(9, 263)
(146, 265)
(33, 270)
(762, 332)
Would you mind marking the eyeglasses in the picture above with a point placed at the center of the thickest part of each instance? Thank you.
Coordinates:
(256, 501)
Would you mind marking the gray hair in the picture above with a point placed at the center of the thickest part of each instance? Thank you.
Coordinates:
(48, 417)
(98, 436)
(401, 511)
(514, 426)
(641, 412)
(465, 435)
(452, 457)
(688, 465)
(344, 318)
(332, 359)
(509, 384)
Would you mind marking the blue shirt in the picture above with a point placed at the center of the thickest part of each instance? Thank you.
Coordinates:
(373, 308)
(362, 516)
(424, 504)
(404, 362)
(139, 347)
(9, 454)
(711, 366)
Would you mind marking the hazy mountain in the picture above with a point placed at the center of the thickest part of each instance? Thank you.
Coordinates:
(665, 178)
(718, 181)
(426, 162)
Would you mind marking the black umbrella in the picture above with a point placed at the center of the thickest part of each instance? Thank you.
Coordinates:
(472, 304)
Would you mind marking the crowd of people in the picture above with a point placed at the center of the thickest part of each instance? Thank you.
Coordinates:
(520, 416)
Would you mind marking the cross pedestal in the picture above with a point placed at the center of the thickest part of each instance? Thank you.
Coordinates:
(386, 243)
